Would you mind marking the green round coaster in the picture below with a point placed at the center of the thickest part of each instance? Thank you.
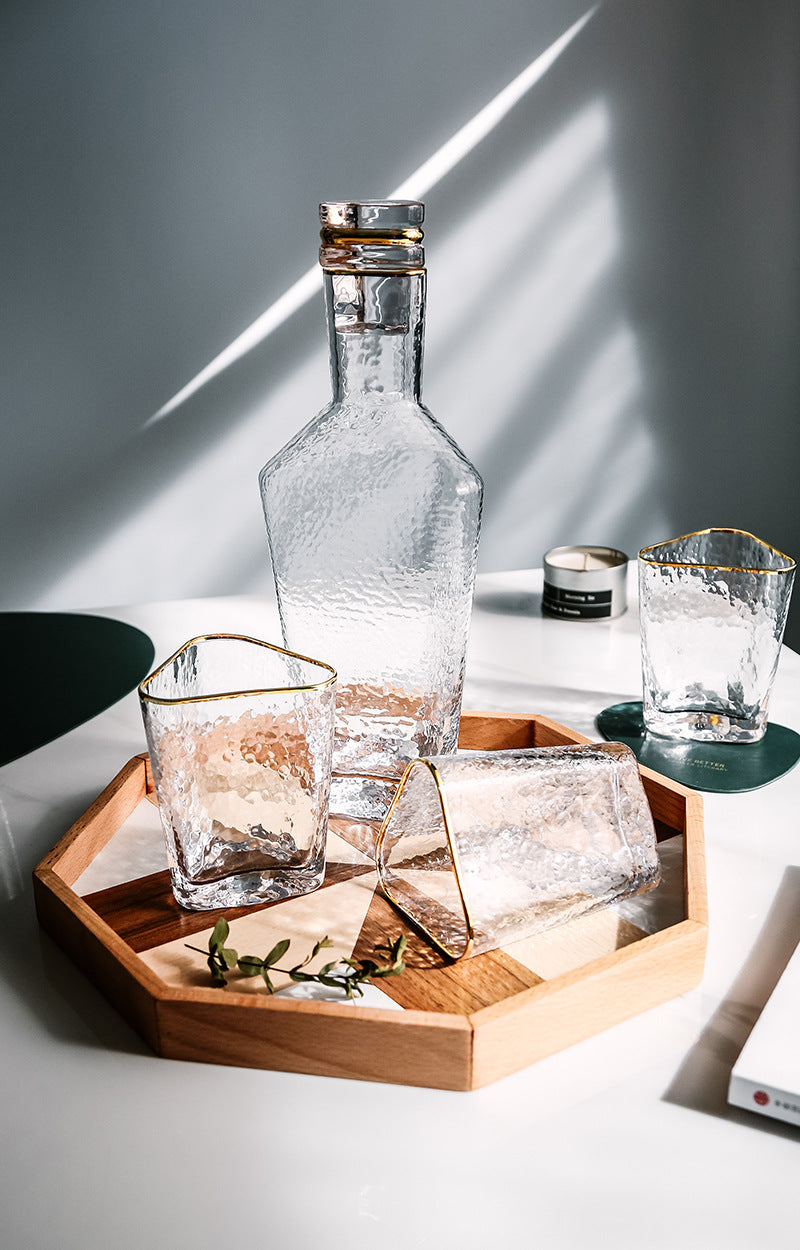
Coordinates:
(717, 768)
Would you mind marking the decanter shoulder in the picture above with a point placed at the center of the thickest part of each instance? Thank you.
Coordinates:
(344, 433)
(297, 447)
(439, 433)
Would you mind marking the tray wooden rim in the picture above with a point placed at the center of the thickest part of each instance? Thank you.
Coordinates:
(484, 1044)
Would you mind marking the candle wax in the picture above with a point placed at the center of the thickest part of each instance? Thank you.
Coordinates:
(583, 561)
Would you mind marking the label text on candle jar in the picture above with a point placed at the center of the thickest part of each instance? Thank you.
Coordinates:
(583, 604)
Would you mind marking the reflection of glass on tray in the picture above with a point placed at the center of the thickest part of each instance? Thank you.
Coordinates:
(485, 848)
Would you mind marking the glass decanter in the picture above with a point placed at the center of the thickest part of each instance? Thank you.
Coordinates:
(373, 516)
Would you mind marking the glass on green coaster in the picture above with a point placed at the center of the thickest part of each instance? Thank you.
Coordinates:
(718, 768)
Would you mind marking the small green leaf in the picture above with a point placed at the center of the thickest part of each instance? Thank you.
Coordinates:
(219, 934)
(346, 974)
(216, 973)
(278, 951)
(250, 965)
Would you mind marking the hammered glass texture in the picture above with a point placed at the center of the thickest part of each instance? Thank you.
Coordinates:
(519, 841)
(713, 608)
(242, 780)
(373, 517)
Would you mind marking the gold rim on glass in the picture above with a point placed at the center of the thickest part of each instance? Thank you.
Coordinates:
(646, 556)
(233, 694)
(438, 943)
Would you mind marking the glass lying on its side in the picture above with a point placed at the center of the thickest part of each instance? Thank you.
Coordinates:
(482, 849)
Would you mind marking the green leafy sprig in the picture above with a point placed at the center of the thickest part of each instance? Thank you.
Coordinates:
(349, 975)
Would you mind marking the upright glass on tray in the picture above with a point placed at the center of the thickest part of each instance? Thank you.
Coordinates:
(373, 516)
(240, 736)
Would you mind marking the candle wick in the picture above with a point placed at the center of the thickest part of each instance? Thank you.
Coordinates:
(585, 560)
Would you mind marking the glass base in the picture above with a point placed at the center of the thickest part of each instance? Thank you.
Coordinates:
(248, 889)
(704, 725)
(360, 798)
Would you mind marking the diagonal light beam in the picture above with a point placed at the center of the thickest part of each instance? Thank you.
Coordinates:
(484, 122)
(414, 187)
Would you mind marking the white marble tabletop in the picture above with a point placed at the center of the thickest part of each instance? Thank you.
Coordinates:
(626, 1135)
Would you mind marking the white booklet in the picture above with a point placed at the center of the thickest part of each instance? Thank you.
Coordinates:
(766, 1076)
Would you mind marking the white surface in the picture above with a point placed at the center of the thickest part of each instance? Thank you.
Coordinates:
(105, 1145)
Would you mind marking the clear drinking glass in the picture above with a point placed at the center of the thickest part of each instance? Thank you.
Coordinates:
(240, 735)
(713, 608)
(373, 516)
(487, 847)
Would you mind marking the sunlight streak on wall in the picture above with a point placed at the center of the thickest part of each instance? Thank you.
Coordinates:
(484, 122)
(531, 365)
(206, 523)
(587, 470)
(525, 260)
(530, 328)
(414, 187)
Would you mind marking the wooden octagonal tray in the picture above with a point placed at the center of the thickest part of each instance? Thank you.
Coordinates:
(461, 1026)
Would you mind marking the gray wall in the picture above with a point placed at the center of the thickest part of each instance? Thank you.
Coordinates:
(614, 270)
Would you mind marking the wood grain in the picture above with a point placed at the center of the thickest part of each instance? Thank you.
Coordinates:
(323, 1039)
(483, 731)
(579, 1004)
(433, 983)
(98, 824)
(463, 1025)
(101, 954)
(144, 912)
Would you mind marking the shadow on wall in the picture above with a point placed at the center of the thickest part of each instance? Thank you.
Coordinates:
(706, 141)
(535, 343)
(531, 366)
(602, 329)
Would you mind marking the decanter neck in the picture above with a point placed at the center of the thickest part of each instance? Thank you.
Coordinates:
(375, 330)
